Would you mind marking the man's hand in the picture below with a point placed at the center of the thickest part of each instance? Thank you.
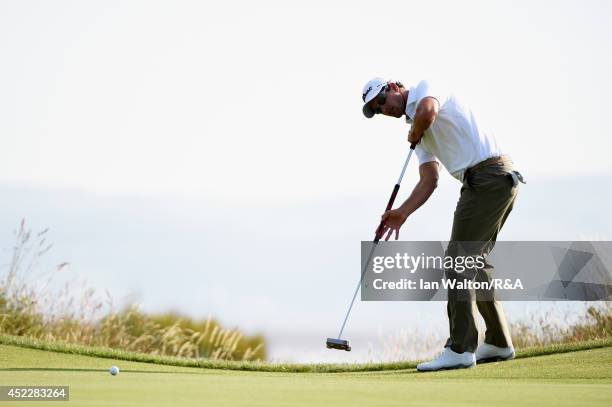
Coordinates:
(392, 221)
(414, 138)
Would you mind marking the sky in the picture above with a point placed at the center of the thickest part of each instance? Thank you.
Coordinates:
(222, 143)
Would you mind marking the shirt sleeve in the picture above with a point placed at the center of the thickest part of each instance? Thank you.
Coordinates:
(425, 89)
(424, 155)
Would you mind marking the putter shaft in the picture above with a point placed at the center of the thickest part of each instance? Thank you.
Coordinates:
(365, 267)
(378, 236)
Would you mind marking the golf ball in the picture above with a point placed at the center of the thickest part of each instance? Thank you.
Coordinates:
(114, 370)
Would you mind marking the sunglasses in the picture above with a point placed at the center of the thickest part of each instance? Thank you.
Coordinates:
(381, 99)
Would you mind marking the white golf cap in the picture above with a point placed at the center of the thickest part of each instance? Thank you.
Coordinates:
(370, 91)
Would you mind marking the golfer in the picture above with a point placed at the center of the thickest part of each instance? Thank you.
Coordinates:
(447, 132)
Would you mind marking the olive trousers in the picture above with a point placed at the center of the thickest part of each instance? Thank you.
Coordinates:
(487, 195)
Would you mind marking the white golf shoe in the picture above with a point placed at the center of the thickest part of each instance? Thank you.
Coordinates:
(491, 353)
(448, 360)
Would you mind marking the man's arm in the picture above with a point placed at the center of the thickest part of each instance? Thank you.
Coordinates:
(426, 113)
(428, 181)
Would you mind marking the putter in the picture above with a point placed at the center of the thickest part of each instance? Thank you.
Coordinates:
(342, 344)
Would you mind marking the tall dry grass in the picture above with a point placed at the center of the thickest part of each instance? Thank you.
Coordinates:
(31, 306)
(540, 327)
(543, 329)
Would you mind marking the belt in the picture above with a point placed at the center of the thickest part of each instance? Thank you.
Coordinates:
(516, 176)
(482, 164)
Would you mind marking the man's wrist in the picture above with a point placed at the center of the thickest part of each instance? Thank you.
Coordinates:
(404, 211)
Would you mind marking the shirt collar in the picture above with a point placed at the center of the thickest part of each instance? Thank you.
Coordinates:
(411, 100)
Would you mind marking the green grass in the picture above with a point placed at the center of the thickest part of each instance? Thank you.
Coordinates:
(570, 378)
(263, 366)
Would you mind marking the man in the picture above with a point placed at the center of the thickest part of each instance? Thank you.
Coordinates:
(447, 131)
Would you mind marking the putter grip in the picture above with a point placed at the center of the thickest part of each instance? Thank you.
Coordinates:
(389, 206)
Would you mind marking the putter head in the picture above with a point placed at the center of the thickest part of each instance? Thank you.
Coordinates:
(340, 344)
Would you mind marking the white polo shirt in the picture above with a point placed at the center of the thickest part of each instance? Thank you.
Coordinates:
(455, 137)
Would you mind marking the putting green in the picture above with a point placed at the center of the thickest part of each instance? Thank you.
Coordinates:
(567, 379)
